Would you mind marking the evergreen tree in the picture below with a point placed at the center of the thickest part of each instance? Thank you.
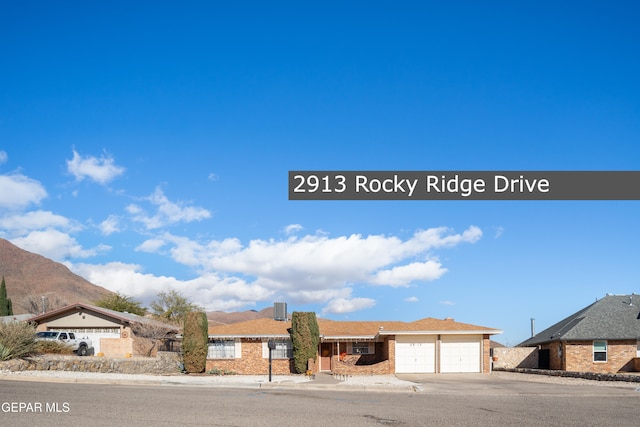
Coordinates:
(6, 307)
(305, 335)
(195, 339)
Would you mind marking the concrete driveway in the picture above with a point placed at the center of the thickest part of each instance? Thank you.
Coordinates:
(510, 383)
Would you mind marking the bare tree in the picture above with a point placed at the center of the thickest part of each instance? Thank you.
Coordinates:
(41, 304)
(150, 335)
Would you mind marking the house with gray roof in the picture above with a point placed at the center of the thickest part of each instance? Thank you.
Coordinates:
(603, 337)
(113, 333)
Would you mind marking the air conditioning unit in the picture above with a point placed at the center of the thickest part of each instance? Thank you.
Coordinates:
(280, 311)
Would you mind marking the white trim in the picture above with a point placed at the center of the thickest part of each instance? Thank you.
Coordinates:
(238, 348)
(249, 337)
(471, 332)
(606, 351)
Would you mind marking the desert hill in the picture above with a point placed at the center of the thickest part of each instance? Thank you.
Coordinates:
(29, 277)
(223, 318)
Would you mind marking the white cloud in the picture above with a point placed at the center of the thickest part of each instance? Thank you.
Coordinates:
(412, 299)
(292, 228)
(35, 220)
(344, 305)
(212, 291)
(167, 213)
(447, 303)
(18, 191)
(151, 245)
(499, 232)
(405, 274)
(312, 269)
(110, 225)
(56, 245)
(101, 170)
(3, 157)
(320, 262)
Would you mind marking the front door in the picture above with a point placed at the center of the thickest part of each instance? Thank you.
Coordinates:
(326, 351)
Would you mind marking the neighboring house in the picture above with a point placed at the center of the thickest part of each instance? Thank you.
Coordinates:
(352, 348)
(112, 333)
(603, 337)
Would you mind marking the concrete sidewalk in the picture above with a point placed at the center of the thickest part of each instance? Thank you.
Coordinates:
(318, 381)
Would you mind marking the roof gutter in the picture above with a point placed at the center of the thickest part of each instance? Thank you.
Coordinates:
(469, 332)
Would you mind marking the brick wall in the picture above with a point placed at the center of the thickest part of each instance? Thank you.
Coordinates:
(252, 362)
(486, 354)
(620, 354)
(390, 348)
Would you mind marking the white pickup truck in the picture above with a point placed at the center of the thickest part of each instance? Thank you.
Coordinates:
(80, 346)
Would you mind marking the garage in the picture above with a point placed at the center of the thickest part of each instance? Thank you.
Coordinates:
(460, 353)
(94, 334)
(415, 354)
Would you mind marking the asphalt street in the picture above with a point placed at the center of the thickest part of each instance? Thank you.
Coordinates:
(440, 400)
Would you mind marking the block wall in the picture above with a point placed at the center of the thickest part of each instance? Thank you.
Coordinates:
(116, 347)
(515, 357)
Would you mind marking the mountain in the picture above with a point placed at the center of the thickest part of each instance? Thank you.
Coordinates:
(29, 277)
(223, 318)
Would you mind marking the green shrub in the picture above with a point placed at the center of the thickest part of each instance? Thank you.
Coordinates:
(305, 335)
(17, 339)
(216, 371)
(195, 339)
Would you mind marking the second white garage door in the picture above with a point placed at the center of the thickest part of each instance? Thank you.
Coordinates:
(460, 353)
(415, 354)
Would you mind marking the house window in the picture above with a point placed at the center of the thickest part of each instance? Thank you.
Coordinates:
(599, 351)
(359, 347)
(221, 349)
(283, 350)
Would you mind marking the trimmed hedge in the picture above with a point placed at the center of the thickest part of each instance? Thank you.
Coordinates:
(195, 340)
(305, 335)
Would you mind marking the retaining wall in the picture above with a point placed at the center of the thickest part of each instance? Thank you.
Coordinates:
(628, 377)
(164, 363)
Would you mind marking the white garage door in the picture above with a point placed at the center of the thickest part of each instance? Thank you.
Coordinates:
(415, 354)
(460, 353)
(94, 334)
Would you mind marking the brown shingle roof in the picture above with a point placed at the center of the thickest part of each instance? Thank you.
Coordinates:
(332, 328)
(257, 327)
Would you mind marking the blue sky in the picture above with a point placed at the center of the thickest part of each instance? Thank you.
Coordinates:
(146, 145)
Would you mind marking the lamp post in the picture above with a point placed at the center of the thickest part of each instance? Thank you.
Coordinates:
(271, 345)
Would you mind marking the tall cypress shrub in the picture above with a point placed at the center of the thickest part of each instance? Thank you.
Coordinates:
(305, 336)
(6, 307)
(195, 337)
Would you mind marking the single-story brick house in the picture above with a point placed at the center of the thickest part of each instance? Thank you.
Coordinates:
(603, 337)
(112, 333)
(354, 347)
